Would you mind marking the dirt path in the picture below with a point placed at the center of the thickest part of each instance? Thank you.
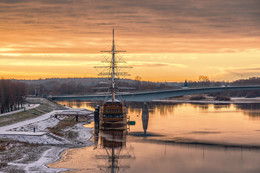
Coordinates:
(5, 130)
(27, 107)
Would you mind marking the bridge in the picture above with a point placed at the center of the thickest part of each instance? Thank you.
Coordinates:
(155, 95)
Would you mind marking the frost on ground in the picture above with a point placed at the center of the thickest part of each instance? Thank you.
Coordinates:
(39, 126)
(31, 153)
(39, 165)
(83, 133)
(44, 139)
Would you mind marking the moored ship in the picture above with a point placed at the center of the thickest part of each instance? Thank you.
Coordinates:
(112, 113)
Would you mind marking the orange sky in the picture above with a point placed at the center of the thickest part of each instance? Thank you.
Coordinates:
(165, 40)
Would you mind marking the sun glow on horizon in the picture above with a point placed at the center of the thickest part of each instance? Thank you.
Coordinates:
(151, 67)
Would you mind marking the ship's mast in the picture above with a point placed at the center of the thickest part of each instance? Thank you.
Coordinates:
(113, 69)
(113, 66)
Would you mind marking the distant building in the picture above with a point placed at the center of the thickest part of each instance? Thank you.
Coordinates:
(185, 84)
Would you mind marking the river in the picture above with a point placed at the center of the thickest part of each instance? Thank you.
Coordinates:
(171, 137)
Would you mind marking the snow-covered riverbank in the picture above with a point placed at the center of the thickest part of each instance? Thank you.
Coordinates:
(46, 145)
(46, 153)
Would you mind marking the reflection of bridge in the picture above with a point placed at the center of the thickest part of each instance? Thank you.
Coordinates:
(155, 95)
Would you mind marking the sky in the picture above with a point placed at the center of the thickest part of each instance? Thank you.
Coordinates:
(165, 40)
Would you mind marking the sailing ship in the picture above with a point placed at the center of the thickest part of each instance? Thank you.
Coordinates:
(112, 113)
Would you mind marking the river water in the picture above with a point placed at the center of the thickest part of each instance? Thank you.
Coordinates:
(170, 137)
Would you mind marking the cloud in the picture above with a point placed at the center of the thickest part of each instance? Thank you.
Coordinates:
(247, 71)
(14, 1)
(164, 22)
(233, 73)
(155, 64)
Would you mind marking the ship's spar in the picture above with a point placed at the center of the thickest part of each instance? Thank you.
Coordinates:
(113, 66)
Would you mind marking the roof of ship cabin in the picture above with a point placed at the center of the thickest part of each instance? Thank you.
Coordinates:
(110, 100)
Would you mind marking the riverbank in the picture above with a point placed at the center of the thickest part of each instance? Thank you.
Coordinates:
(34, 154)
(22, 150)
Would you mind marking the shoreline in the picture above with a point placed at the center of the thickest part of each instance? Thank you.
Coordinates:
(234, 100)
(33, 151)
(47, 153)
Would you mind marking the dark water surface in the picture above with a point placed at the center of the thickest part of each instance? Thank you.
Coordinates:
(174, 138)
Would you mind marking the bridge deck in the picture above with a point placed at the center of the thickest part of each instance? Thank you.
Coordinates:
(156, 95)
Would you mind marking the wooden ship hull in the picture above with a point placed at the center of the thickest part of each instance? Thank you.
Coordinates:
(112, 115)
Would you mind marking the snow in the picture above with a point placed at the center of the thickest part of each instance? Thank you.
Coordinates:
(23, 131)
(5, 130)
(40, 165)
(39, 126)
(58, 144)
(75, 111)
(44, 139)
(84, 134)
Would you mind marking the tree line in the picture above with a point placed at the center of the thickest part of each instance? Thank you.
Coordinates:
(12, 95)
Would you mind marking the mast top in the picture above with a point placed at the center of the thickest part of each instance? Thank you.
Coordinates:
(113, 70)
(113, 38)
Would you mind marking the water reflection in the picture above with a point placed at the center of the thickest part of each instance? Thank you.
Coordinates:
(145, 117)
(250, 109)
(166, 108)
(221, 106)
(113, 142)
(199, 138)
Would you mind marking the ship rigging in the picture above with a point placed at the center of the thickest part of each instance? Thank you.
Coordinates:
(112, 113)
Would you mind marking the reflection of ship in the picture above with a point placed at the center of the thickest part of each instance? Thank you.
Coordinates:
(112, 112)
(113, 141)
(145, 117)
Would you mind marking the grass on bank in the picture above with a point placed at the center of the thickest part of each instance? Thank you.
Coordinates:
(59, 128)
(45, 107)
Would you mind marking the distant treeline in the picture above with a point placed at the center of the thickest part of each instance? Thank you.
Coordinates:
(242, 93)
(12, 95)
(250, 81)
(65, 86)
(208, 83)
(241, 82)
(80, 86)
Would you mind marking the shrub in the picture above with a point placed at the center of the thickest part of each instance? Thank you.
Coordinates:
(2, 148)
(199, 97)
(3, 165)
(222, 98)
(251, 94)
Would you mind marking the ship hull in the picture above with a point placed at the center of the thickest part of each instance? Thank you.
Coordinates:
(112, 115)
